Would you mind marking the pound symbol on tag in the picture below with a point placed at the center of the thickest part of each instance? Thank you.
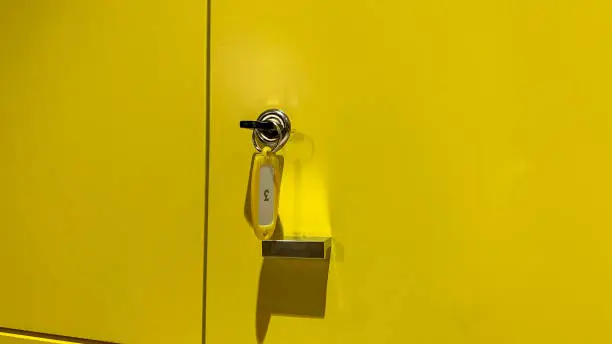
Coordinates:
(266, 195)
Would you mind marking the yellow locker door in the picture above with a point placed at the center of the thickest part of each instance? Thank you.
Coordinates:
(458, 152)
(102, 134)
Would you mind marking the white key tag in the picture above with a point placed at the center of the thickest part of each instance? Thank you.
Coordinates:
(265, 189)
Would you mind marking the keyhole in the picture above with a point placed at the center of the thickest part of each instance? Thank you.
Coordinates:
(266, 194)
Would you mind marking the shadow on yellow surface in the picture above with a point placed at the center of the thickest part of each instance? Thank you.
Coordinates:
(290, 287)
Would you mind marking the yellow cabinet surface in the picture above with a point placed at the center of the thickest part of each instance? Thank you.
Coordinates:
(102, 169)
(458, 152)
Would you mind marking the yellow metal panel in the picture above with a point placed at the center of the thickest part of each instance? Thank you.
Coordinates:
(102, 127)
(21, 339)
(459, 152)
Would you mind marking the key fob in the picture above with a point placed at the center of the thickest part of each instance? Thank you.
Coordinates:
(265, 191)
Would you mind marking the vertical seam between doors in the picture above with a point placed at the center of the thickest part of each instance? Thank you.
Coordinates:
(206, 166)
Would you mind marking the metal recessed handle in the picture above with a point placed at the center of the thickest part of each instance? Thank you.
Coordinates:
(298, 247)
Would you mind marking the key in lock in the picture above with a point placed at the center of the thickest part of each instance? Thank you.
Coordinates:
(271, 132)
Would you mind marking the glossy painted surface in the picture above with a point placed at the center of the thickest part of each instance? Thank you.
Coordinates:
(20, 339)
(102, 127)
(459, 152)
